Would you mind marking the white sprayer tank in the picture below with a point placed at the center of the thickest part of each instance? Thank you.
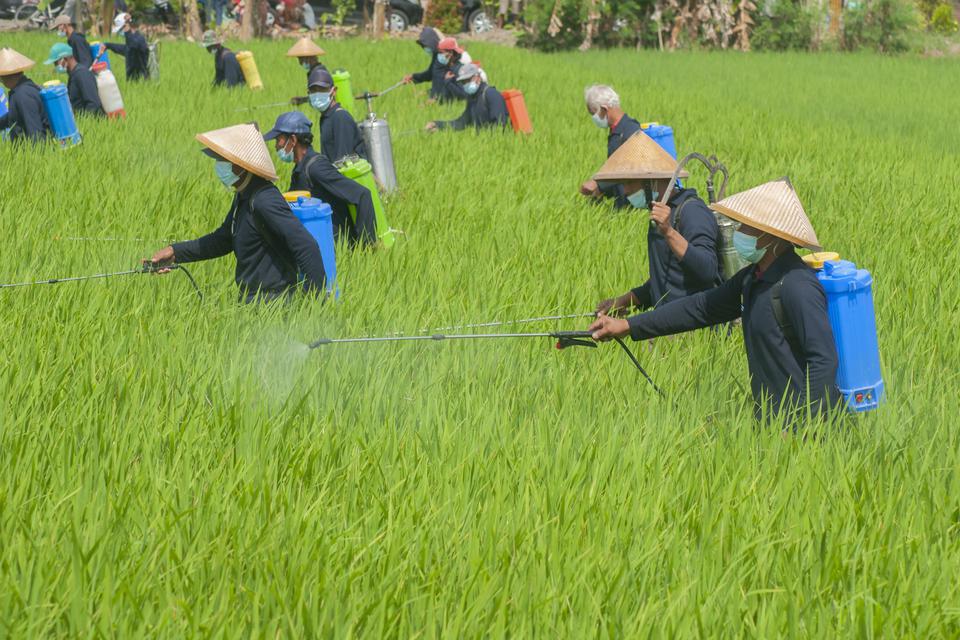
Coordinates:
(110, 94)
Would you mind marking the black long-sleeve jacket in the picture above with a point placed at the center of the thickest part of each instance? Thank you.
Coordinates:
(82, 89)
(136, 53)
(81, 49)
(670, 277)
(340, 135)
(25, 116)
(485, 108)
(316, 174)
(782, 374)
(227, 69)
(619, 134)
(271, 246)
(435, 74)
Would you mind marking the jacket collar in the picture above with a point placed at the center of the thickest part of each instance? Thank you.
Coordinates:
(781, 266)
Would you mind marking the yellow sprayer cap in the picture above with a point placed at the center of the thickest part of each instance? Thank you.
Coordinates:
(816, 260)
(647, 125)
(52, 83)
(291, 196)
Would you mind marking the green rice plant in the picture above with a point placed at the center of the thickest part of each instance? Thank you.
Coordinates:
(170, 469)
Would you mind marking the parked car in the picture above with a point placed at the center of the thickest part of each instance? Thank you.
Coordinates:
(8, 8)
(404, 14)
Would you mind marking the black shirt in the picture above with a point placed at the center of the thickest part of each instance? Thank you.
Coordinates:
(81, 49)
(340, 192)
(436, 74)
(226, 68)
(340, 135)
(453, 90)
(780, 372)
(82, 89)
(619, 134)
(270, 244)
(670, 277)
(135, 52)
(485, 108)
(26, 116)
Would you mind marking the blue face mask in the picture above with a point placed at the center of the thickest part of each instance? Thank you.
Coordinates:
(442, 58)
(284, 155)
(638, 200)
(600, 122)
(62, 33)
(471, 87)
(60, 68)
(428, 51)
(746, 246)
(320, 101)
(225, 173)
(306, 66)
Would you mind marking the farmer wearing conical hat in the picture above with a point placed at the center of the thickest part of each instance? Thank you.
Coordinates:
(603, 105)
(225, 66)
(683, 236)
(271, 246)
(25, 117)
(306, 51)
(793, 358)
(135, 49)
(78, 42)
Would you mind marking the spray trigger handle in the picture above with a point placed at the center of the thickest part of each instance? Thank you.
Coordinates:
(574, 339)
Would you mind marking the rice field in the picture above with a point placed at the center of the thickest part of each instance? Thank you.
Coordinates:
(170, 468)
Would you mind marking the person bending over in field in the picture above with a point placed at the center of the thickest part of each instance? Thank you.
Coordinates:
(77, 41)
(435, 74)
(271, 246)
(683, 235)
(313, 172)
(452, 56)
(791, 353)
(306, 52)
(81, 85)
(339, 135)
(485, 106)
(603, 105)
(134, 50)
(226, 69)
(25, 117)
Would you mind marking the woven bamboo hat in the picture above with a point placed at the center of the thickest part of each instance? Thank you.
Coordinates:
(774, 208)
(305, 48)
(639, 158)
(12, 62)
(242, 145)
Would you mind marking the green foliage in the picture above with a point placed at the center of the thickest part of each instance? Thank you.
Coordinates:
(885, 26)
(785, 25)
(943, 21)
(444, 15)
(621, 22)
(170, 469)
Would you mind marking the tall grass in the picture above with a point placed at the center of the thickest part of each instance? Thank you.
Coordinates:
(173, 469)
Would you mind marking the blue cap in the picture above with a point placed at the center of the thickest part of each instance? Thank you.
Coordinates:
(289, 123)
(319, 77)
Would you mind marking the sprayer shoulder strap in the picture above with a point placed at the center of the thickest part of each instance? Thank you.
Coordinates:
(268, 237)
(776, 301)
(306, 169)
(676, 216)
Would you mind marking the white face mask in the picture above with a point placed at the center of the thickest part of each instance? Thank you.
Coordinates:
(600, 122)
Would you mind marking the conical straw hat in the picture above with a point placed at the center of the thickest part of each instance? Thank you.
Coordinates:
(774, 208)
(243, 145)
(305, 48)
(12, 62)
(639, 158)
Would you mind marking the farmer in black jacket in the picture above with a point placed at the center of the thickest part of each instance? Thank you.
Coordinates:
(315, 173)
(603, 105)
(77, 41)
(226, 68)
(307, 53)
(134, 50)
(25, 117)
(272, 247)
(683, 237)
(339, 135)
(485, 106)
(436, 73)
(793, 362)
(81, 85)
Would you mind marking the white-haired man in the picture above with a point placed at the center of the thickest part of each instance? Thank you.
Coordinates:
(603, 105)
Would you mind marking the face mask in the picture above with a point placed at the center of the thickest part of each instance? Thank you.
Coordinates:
(62, 33)
(306, 66)
(225, 173)
(284, 155)
(600, 122)
(746, 246)
(639, 199)
(428, 51)
(61, 69)
(442, 58)
(320, 101)
(471, 87)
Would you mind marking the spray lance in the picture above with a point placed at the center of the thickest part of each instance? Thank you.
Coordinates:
(146, 267)
(564, 340)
